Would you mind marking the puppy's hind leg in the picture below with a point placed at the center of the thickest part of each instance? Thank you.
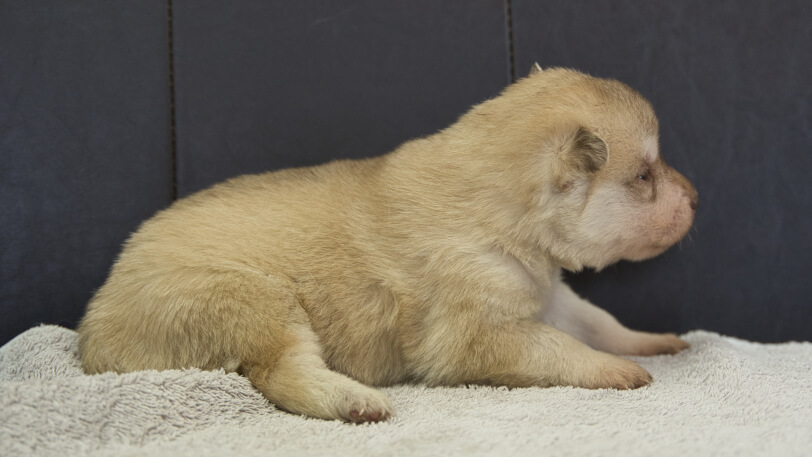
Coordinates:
(291, 373)
(299, 381)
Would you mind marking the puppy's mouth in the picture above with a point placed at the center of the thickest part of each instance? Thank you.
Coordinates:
(658, 247)
(674, 234)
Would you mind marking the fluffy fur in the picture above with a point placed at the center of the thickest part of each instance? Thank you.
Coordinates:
(438, 263)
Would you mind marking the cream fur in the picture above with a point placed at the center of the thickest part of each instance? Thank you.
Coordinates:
(439, 262)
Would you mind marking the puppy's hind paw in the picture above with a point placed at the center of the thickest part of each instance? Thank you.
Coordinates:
(368, 416)
(621, 374)
(367, 406)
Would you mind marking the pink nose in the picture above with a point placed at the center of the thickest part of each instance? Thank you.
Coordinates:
(693, 197)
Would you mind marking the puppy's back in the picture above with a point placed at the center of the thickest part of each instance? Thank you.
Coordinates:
(152, 312)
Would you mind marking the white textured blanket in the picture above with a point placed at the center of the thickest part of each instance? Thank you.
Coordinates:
(723, 396)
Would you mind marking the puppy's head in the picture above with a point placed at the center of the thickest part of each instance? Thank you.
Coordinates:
(587, 165)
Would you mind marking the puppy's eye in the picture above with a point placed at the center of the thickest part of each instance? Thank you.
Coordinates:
(645, 176)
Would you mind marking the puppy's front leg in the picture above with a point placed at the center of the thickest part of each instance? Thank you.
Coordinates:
(570, 313)
(524, 353)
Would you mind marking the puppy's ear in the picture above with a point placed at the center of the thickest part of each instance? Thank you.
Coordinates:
(536, 68)
(587, 153)
(581, 154)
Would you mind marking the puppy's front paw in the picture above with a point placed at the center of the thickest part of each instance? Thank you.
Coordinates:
(664, 343)
(618, 373)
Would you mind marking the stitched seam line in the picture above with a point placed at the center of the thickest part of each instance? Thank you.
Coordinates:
(511, 53)
(173, 147)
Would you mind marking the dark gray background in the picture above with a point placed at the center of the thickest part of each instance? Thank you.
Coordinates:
(110, 110)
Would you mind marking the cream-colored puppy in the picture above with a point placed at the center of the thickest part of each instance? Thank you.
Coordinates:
(438, 263)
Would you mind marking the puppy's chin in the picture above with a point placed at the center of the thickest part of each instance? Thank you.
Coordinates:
(645, 253)
(635, 255)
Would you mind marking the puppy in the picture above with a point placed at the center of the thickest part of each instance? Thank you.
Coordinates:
(437, 263)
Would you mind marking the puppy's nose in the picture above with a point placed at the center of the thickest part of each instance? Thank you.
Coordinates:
(688, 189)
(693, 196)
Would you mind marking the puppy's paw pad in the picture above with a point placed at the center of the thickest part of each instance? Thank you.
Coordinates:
(369, 406)
(367, 416)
